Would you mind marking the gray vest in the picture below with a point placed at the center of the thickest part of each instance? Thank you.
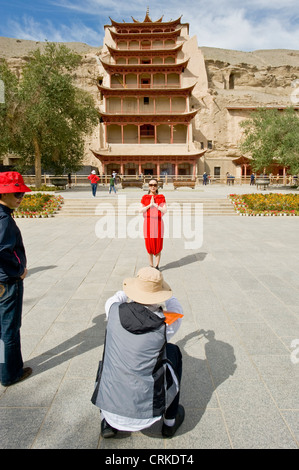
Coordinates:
(131, 379)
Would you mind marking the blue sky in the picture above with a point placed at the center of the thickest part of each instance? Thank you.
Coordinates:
(230, 24)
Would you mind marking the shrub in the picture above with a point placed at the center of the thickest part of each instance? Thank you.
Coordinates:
(39, 205)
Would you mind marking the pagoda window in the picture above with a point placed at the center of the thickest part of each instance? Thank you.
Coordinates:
(131, 80)
(163, 134)
(113, 105)
(169, 43)
(169, 60)
(159, 80)
(173, 79)
(134, 45)
(157, 60)
(145, 81)
(158, 45)
(133, 60)
(145, 61)
(163, 104)
(147, 130)
(146, 100)
(145, 44)
(178, 104)
(114, 134)
(130, 105)
(130, 134)
(179, 134)
(121, 60)
(117, 81)
(122, 45)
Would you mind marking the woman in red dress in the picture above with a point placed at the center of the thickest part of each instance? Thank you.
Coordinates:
(153, 207)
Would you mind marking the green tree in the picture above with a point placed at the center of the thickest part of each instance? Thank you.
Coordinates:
(52, 116)
(272, 136)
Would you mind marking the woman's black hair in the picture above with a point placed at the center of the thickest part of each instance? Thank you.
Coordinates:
(157, 185)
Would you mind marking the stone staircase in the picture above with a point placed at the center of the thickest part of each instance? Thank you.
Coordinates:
(95, 207)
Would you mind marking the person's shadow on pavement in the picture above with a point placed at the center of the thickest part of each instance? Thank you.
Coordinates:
(200, 377)
(82, 342)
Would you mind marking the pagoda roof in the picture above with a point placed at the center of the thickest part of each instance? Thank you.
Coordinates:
(165, 118)
(120, 68)
(143, 52)
(107, 91)
(146, 22)
(149, 152)
(164, 35)
(242, 160)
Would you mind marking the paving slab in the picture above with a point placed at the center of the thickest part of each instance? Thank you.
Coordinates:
(240, 294)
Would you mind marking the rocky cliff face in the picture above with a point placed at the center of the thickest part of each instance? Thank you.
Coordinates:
(236, 81)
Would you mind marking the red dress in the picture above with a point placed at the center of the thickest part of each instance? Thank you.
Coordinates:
(153, 227)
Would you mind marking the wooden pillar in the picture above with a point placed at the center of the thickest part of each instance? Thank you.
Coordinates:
(158, 169)
(171, 133)
(121, 168)
(170, 105)
(138, 134)
(139, 168)
(106, 134)
(176, 170)
(121, 105)
(284, 175)
(193, 170)
(155, 127)
(122, 134)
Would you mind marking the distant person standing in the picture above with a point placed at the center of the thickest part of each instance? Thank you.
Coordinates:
(12, 273)
(204, 178)
(69, 180)
(94, 179)
(252, 179)
(112, 184)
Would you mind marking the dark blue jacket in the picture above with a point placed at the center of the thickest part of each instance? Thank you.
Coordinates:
(12, 251)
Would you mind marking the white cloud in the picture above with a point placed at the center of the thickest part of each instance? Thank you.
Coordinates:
(36, 31)
(229, 24)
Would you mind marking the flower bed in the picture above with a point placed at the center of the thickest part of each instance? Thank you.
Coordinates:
(39, 205)
(266, 204)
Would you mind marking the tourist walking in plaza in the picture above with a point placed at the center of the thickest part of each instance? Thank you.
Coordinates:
(153, 207)
(204, 178)
(94, 179)
(12, 273)
(138, 380)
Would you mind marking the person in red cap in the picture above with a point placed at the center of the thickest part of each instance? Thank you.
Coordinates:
(12, 273)
(94, 179)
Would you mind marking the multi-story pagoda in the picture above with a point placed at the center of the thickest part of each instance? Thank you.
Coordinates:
(146, 116)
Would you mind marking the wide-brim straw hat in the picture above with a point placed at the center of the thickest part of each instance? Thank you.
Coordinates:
(148, 287)
(12, 182)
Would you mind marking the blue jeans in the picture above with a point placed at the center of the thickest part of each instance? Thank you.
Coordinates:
(11, 302)
(174, 355)
(112, 187)
(94, 188)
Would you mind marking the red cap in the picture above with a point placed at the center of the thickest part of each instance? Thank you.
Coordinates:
(12, 182)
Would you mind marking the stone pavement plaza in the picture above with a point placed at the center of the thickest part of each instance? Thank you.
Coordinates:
(239, 337)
